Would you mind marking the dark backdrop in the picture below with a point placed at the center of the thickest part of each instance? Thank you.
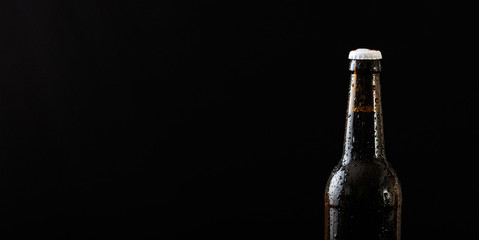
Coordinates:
(223, 119)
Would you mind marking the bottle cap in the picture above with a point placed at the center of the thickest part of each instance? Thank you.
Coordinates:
(365, 54)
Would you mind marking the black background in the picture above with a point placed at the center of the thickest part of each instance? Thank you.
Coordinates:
(223, 119)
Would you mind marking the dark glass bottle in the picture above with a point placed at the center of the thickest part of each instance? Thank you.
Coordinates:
(363, 195)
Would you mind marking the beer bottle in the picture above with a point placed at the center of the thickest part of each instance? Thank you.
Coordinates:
(363, 195)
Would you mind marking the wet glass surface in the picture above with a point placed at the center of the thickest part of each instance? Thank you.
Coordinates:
(363, 196)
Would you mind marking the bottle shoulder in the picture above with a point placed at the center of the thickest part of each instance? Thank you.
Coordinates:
(359, 182)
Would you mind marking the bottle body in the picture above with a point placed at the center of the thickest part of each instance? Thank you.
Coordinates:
(363, 195)
(363, 201)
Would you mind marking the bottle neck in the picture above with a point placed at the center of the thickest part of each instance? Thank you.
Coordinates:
(364, 138)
